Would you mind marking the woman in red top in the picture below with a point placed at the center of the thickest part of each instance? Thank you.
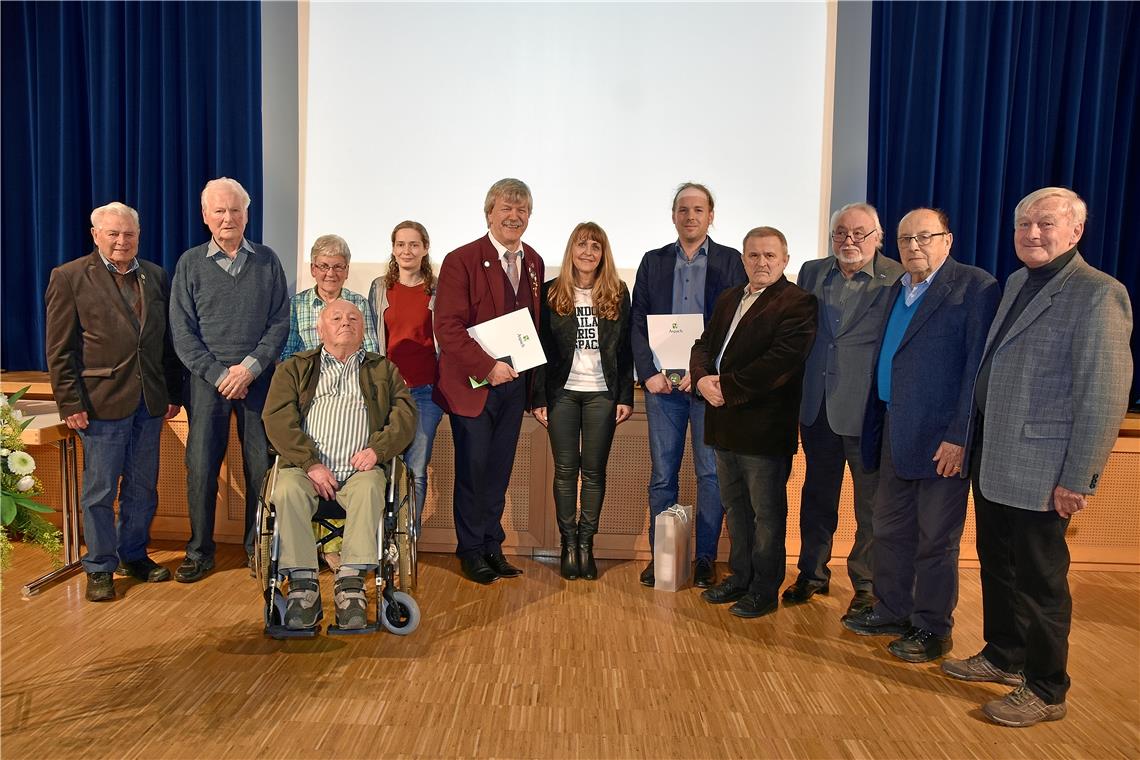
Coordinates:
(403, 301)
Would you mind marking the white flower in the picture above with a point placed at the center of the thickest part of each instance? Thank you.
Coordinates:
(25, 483)
(5, 452)
(21, 463)
(17, 415)
(3, 401)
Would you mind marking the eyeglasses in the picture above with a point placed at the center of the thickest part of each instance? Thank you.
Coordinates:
(858, 236)
(338, 268)
(922, 238)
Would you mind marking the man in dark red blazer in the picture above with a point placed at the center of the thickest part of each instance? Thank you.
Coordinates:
(483, 395)
(749, 368)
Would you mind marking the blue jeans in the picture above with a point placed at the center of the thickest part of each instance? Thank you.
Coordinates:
(206, 442)
(668, 415)
(126, 448)
(418, 454)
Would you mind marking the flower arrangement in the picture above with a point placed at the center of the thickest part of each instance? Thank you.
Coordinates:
(18, 485)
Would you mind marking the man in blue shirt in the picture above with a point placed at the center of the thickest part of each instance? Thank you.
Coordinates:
(683, 277)
(914, 433)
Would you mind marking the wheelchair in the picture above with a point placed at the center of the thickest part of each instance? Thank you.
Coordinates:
(396, 571)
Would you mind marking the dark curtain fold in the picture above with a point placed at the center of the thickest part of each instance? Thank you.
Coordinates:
(974, 105)
(135, 102)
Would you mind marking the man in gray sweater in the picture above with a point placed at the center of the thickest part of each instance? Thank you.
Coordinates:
(229, 317)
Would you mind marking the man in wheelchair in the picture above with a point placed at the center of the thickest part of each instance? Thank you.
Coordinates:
(332, 414)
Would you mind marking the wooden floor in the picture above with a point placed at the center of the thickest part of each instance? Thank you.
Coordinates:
(527, 668)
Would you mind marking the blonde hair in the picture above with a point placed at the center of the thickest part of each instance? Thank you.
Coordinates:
(608, 287)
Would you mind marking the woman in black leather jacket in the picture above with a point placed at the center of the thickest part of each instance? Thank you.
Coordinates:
(586, 387)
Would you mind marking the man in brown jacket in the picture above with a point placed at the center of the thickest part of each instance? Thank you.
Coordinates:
(749, 368)
(115, 378)
(332, 414)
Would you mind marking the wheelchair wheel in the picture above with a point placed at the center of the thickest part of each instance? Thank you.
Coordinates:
(400, 616)
(264, 545)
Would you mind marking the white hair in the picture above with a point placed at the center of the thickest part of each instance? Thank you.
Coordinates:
(1078, 210)
(866, 208)
(330, 245)
(229, 184)
(116, 208)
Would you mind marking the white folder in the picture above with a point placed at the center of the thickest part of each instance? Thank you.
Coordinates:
(671, 338)
(511, 335)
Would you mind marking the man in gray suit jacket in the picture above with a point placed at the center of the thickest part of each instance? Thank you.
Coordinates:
(1050, 395)
(852, 288)
(115, 378)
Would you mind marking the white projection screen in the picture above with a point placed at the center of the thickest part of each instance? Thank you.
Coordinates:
(411, 111)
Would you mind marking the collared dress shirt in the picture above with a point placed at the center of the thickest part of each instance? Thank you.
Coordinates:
(689, 280)
(839, 292)
(337, 420)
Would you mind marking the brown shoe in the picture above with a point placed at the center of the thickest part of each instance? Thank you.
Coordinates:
(1021, 708)
(978, 668)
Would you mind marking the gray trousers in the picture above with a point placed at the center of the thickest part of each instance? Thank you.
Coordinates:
(362, 497)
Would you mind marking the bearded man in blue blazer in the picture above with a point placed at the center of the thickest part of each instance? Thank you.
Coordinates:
(683, 277)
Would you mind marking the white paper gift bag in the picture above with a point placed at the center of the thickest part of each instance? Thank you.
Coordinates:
(672, 558)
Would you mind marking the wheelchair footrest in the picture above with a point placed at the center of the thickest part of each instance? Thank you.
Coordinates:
(334, 630)
(281, 632)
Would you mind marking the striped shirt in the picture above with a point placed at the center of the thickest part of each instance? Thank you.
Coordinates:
(338, 419)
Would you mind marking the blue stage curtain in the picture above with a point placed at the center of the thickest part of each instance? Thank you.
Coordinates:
(103, 101)
(974, 105)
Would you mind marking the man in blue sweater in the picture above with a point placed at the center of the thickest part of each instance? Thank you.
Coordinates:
(914, 433)
(229, 316)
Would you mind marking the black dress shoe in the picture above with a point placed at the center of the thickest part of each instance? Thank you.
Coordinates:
(192, 570)
(477, 569)
(704, 574)
(646, 577)
(872, 623)
(100, 587)
(144, 569)
(753, 606)
(802, 590)
(497, 562)
(723, 593)
(863, 600)
(921, 645)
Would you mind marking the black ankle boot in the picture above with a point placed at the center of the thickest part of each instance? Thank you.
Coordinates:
(569, 560)
(587, 568)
